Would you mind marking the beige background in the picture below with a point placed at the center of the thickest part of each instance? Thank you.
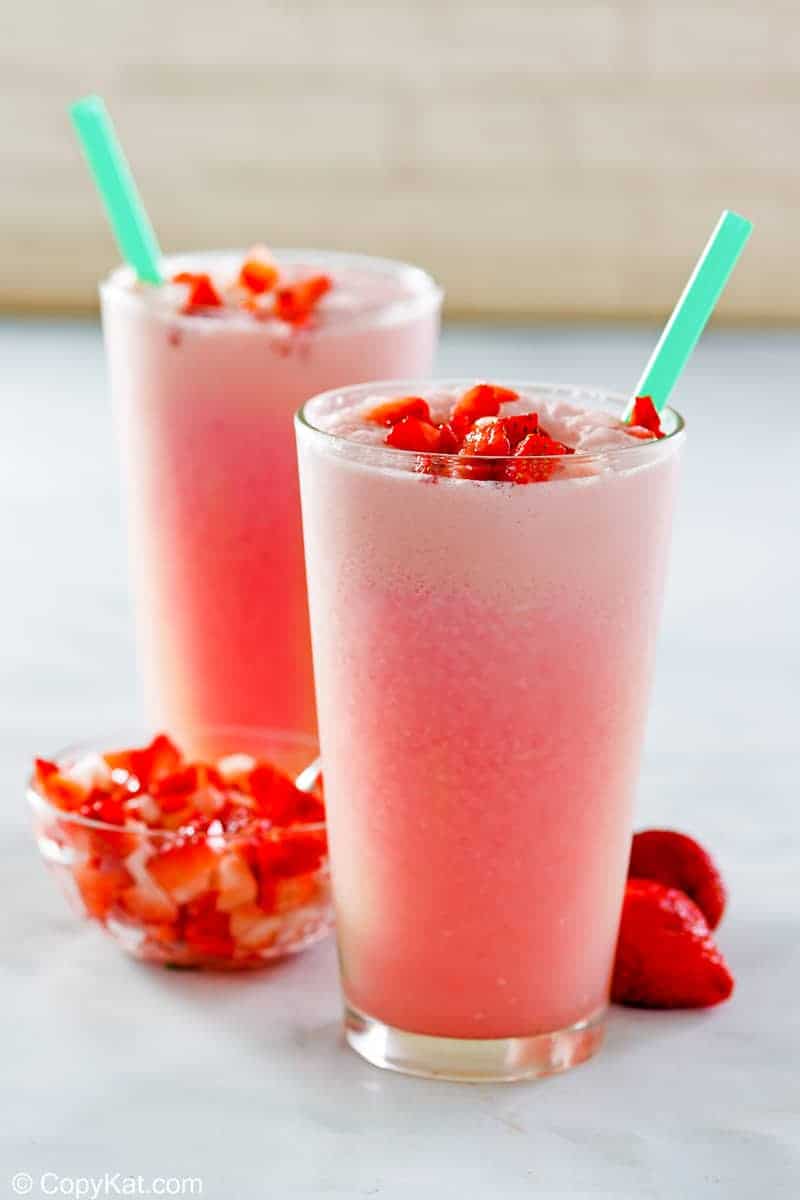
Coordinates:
(542, 159)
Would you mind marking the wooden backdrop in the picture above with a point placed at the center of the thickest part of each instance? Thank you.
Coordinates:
(547, 159)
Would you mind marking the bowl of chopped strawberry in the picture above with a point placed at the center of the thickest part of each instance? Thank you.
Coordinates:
(217, 861)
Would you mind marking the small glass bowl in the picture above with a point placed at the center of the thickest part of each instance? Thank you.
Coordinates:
(211, 913)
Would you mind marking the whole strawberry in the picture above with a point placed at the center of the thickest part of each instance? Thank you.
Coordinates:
(679, 862)
(666, 957)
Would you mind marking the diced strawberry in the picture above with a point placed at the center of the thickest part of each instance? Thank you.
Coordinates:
(101, 805)
(259, 273)
(235, 882)
(536, 453)
(295, 892)
(482, 400)
(148, 763)
(275, 795)
(202, 293)
(184, 869)
(411, 433)
(100, 883)
(174, 791)
(59, 789)
(206, 929)
(394, 410)
(520, 426)
(252, 928)
(478, 401)
(148, 904)
(487, 437)
(310, 810)
(296, 302)
(645, 416)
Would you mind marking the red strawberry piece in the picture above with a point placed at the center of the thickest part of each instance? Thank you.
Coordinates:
(666, 957)
(478, 401)
(535, 446)
(645, 415)
(394, 410)
(148, 763)
(100, 884)
(60, 790)
(258, 273)
(183, 868)
(206, 929)
(282, 858)
(202, 293)
(520, 426)
(148, 904)
(235, 882)
(482, 400)
(296, 302)
(487, 437)
(449, 441)
(411, 433)
(679, 861)
(101, 805)
(177, 789)
(276, 797)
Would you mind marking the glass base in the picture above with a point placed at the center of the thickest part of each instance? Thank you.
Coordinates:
(473, 1060)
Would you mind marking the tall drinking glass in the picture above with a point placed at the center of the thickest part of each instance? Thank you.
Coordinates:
(204, 405)
(482, 655)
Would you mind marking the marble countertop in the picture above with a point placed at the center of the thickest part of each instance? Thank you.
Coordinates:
(244, 1083)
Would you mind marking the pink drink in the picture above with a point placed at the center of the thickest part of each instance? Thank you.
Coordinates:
(483, 653)
(205, 402)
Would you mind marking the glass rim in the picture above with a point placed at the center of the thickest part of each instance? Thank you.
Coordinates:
(38, 801)
(419, 387)
(424, 293)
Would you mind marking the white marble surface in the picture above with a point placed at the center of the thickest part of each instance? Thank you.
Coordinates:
(244, 1082)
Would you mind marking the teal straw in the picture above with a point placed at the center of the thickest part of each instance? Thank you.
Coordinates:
(109, 166)
(692, 311)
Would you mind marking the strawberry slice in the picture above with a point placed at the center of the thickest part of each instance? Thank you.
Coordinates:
(394, 410)
(411, 433)
(202, 293)
(520, 426)
(296, 302)
(183, 870)
(678, 861)
(536, 446)
(258, 273)
(666, 957)
(645, 416)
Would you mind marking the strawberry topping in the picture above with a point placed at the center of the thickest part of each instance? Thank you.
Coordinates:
(202, 293)
(395, 410)
(645, 416)
(411, 433)
(296, 303)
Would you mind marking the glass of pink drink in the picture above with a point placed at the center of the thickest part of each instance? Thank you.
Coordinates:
(483, 652)
(204, 401)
